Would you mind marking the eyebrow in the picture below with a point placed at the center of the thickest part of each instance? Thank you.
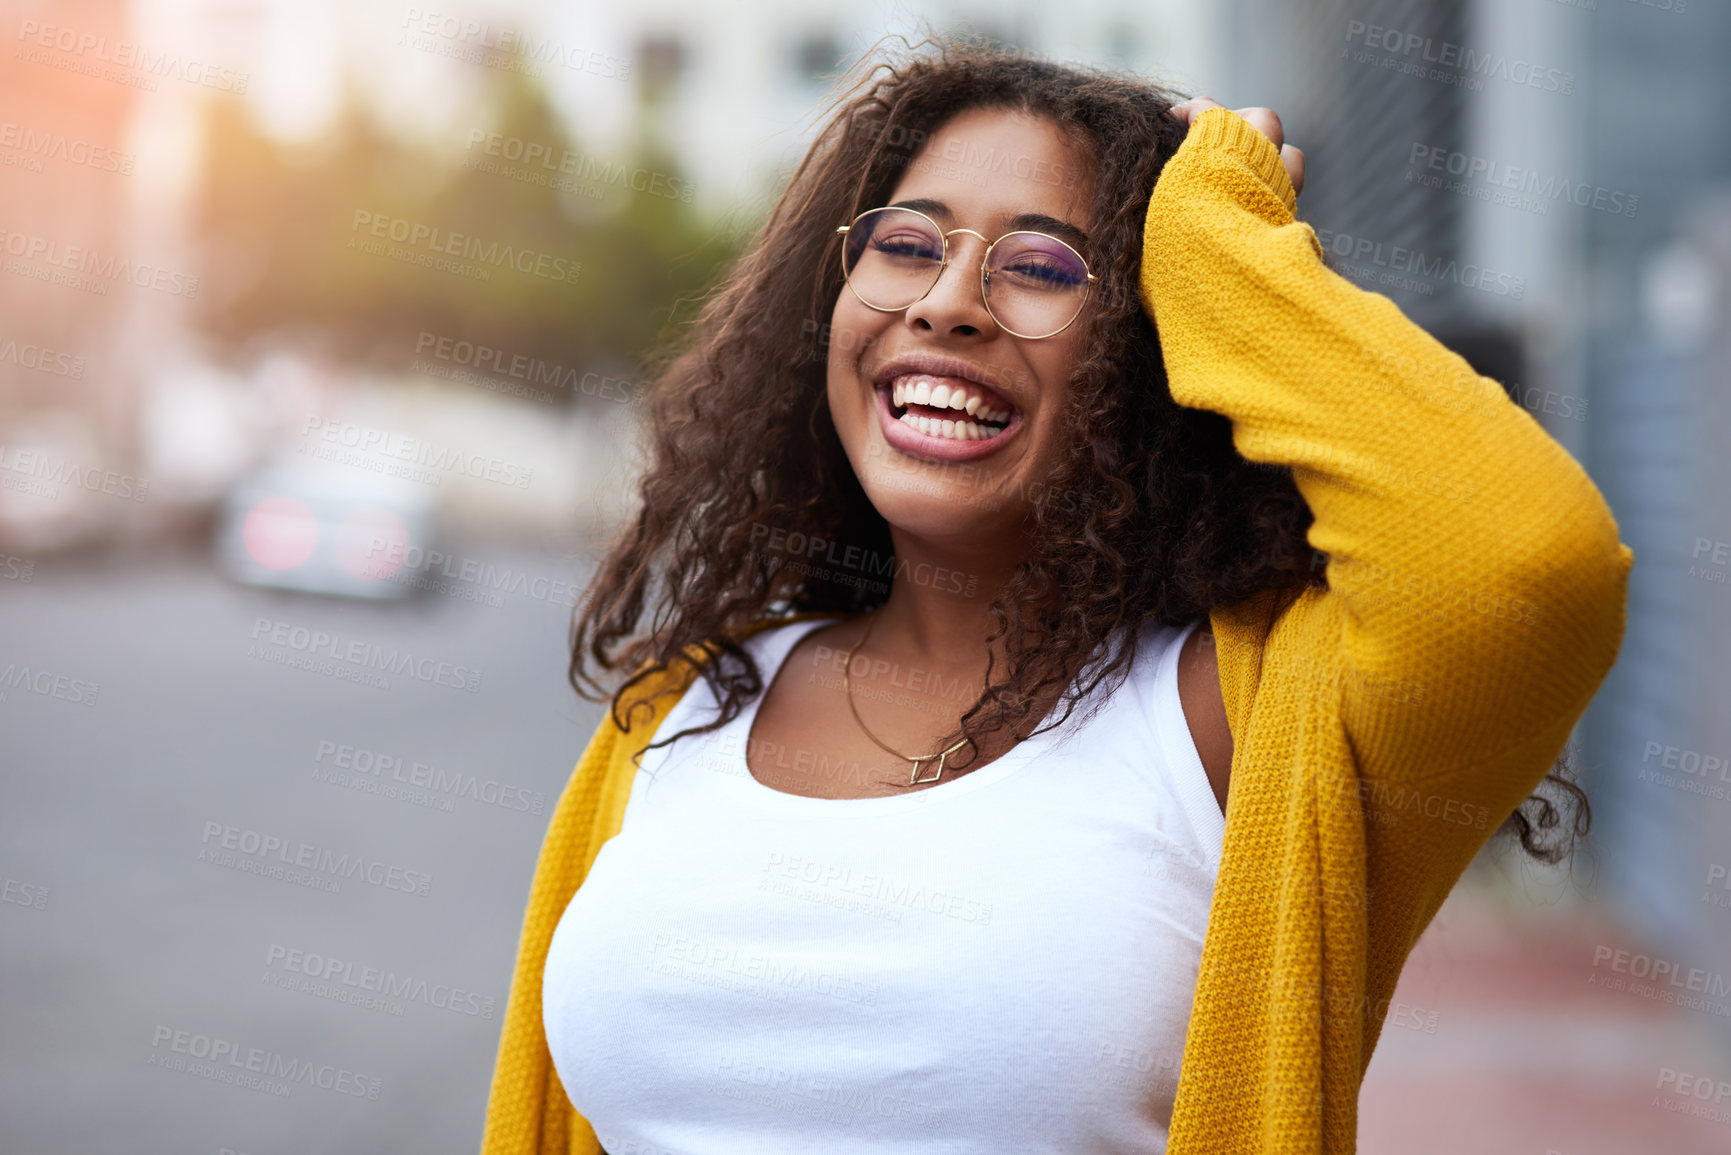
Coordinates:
(1037, 222)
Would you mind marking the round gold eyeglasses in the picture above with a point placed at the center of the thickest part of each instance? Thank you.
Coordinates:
(1034, 285)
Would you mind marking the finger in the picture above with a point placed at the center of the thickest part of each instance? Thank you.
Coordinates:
(1190, 109)
(1266, 121)
(1293, 159)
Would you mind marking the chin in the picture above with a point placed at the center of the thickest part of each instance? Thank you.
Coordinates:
(933, 501)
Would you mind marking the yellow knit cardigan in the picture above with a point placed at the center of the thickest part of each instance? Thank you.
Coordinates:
(1382, 728)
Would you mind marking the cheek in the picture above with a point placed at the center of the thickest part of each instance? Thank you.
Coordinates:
(1053, 365)
(852, 328)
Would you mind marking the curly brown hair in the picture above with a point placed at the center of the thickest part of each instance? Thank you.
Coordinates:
(1151, 516)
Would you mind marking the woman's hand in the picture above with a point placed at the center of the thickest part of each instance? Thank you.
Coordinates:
(1263, 120)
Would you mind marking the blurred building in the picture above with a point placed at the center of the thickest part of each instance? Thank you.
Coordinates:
(746, 84)
(1658, 308)
(67, 408)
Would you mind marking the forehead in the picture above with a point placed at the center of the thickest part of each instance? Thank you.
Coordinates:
(989, 165)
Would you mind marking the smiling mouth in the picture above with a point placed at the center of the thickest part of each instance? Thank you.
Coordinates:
(947, 407)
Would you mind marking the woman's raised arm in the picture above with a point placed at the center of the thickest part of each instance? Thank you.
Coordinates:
(1474, 569)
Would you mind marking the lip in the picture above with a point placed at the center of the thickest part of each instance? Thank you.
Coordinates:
(916, 444)
(911, 441)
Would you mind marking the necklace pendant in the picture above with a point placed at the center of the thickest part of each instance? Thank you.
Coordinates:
(916, 780)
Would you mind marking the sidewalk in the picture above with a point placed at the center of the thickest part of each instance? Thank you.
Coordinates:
(1518, 1030)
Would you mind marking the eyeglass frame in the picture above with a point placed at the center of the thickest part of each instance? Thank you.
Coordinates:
(985, 277)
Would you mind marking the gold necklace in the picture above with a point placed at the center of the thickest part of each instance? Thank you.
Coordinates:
(914, 779)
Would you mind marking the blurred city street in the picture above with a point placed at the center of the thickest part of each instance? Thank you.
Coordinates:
(1501, 1039)
(107, 811)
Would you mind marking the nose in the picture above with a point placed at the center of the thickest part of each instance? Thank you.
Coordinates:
(955, 305)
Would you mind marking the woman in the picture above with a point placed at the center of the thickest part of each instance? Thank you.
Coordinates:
(1009, 741)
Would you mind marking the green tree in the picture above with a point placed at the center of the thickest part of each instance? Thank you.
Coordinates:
(283, 226)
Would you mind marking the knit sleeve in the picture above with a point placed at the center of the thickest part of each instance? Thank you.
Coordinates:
(528, 1111)
(1476, 581)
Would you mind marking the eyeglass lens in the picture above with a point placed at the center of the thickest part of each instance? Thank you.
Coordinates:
(1035, 284)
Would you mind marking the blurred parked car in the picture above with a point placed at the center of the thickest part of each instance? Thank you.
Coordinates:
(330, 530)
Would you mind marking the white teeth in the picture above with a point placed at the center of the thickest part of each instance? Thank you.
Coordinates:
(949, 430)
(920, 389)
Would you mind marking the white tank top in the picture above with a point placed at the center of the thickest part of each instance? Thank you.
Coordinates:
(1002, 962)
